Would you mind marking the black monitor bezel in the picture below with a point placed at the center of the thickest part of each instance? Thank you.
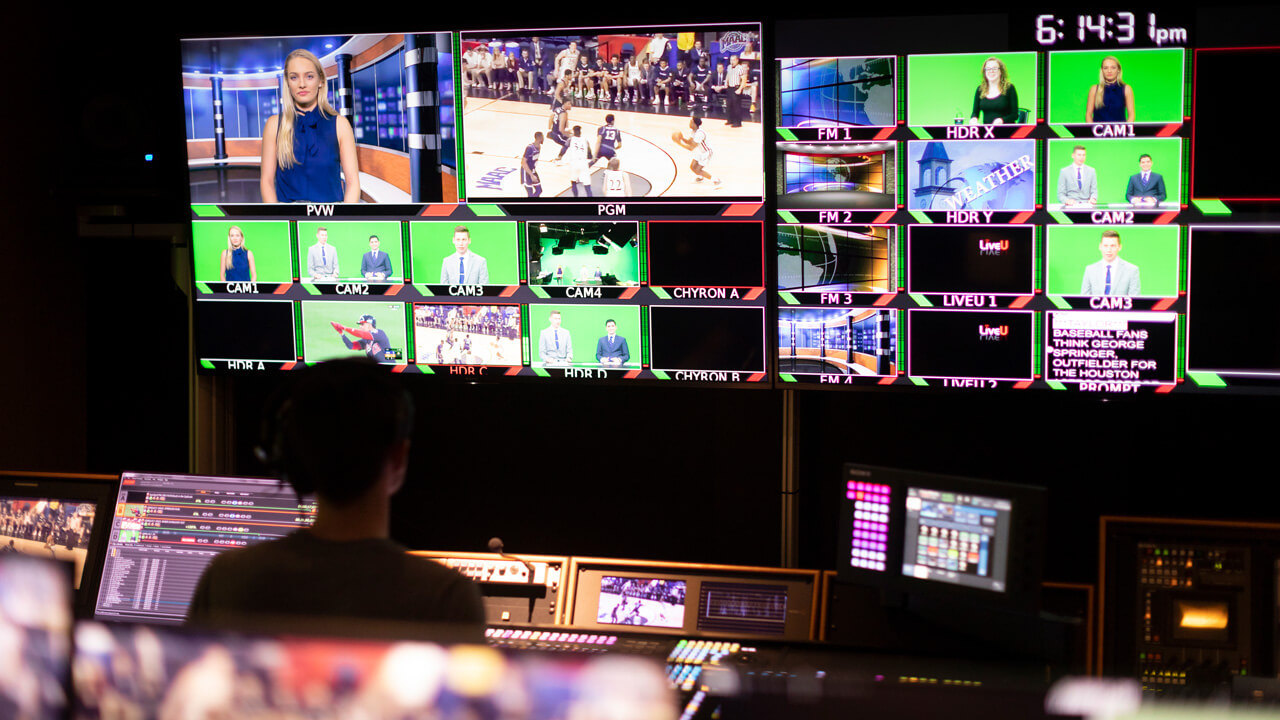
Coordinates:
(1024, 562)
(98, 489)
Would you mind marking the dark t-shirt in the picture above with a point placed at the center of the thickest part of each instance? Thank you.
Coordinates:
(303, 576)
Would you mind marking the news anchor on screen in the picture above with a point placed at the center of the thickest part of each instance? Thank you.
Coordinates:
(555, 346)
(1111, 100)
(612, 348)
(463, 267)
(1078, 183)
(1112, 275)
(375, 264)
(996, 100)
(308, 144)
(1145, 187)
(237, 260)
(322, 258)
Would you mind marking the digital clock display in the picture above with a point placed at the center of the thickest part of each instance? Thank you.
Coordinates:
(1119, 28)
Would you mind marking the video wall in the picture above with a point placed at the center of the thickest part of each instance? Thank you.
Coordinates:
(582, 203)
(1049, 204)
(961, 208)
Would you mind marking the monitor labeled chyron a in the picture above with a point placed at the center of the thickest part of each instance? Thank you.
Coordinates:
(167, 528)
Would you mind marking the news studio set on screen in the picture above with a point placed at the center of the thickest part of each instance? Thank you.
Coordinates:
(956, 205)
(569, 203)
(1044, 202)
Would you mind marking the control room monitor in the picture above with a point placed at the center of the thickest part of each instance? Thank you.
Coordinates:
(167, 528)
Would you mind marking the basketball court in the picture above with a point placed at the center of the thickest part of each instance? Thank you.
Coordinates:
(498, 130)
(485, 349)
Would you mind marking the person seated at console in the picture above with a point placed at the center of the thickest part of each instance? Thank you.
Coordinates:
(345, 565)
(996, 100)
(1145, 188)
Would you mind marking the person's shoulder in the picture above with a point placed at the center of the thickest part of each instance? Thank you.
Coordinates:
(272, 122)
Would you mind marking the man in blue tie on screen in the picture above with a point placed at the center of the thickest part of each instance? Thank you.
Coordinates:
(322, 259)
(555, 347)
(1078, 183)
(375, 265)
(463, 267)
(612, 348)
(1111, 275)
(1146, 188)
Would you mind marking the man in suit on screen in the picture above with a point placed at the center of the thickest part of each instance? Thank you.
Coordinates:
(555, 346)
(612, 348)
(1111, 275)
(463, 267)
(1145, 188)
(375, 265)
(1078, 183)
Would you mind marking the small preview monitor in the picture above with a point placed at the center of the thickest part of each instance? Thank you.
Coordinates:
(956, 538)
(665, 598)
(58, 517)
(641, 601)
(167, 528)
(941, 538)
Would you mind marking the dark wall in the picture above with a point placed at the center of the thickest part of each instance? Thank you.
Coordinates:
(688, 474)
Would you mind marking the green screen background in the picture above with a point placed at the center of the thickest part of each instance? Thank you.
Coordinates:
(496, 242)
(939, 86)
(1153, 248)
(267, 240)
(585, 324)
(623, 263)
(351, 239)
(1154, 75)
(321, 342)
(1115, 161)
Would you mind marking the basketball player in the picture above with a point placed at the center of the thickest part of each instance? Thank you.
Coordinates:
(529, 167)
(616, 182)
(634, 79)
(700, 82)
(613, 78)
(701, 151)
(608, 140)
(559, 126)
(583, 72)
(566, 60)
(578, 152)
(662, 78)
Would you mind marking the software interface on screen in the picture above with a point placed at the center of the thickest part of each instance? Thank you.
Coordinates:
(957, 538)
(167, 528)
